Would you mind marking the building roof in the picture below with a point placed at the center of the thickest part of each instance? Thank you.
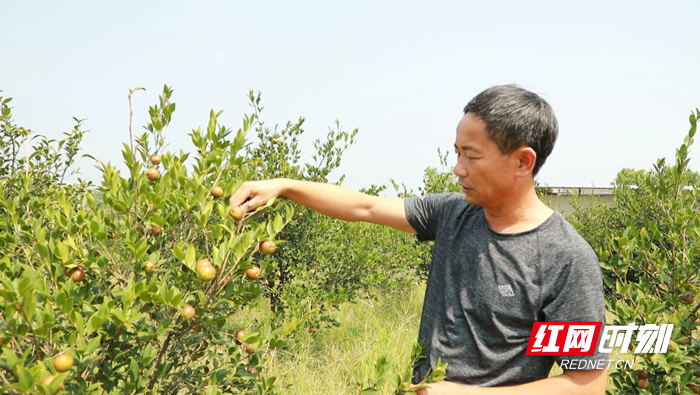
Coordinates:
(578, 190)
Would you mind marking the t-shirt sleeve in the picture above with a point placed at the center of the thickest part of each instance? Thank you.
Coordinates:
(572, 291)
(423, 213)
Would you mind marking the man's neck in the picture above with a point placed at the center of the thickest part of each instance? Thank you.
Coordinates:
(518, 215)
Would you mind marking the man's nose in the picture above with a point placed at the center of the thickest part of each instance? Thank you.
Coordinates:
(460, 171)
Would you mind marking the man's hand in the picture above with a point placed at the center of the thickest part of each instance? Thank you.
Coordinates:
(444, 388)
(572, 382)
(256, 193)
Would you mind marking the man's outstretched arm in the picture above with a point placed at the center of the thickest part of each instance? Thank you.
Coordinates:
(328, 199)
(572, 382)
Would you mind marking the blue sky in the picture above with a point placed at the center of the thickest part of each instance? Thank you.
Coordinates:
(622, 76)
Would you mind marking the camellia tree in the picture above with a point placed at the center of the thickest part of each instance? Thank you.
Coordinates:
(651, 262)
(126, 289)
(324, 261)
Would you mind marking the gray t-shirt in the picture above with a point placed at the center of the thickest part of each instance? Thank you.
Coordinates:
(486, 289)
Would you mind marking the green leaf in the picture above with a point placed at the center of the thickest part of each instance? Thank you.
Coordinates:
(92, 345)
(178, 253)
(133, 369)
(44, 251)
(279, 223)
(291, 326)
(148, 355)
(78, 320)
(190, 256)
(94, 323)
(26, 380)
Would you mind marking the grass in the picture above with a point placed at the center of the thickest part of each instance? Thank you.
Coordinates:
(339, 360)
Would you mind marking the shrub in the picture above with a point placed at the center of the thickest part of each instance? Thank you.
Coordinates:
(108, 277)
(652, 266)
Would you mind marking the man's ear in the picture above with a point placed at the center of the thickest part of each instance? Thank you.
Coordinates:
(526, 160)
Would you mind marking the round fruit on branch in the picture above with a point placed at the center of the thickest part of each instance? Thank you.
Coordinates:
(67, 271)
(253, 273)
(62, 362)
(641, 375)
(155, 159)
(77, 275)
(48, 379)
(268, 247)
(217, 192)
(206, 273)
(687, 298)
(152, 174)
(643, 384)
(148, 267)
(236, 213)
(156, 230)
(187, 312)
(240, 334)
(202, 262)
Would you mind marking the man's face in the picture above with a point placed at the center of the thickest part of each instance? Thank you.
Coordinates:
(486, 175)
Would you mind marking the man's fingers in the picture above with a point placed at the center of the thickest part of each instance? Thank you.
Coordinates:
(252, 194)
(240, 196)
(255, 202)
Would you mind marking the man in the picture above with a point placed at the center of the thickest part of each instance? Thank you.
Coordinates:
(502, 259)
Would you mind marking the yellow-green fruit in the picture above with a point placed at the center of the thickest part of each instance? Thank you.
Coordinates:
(77, 275)
(253, 273)
(268, 247)
(48, 379)
(148, 267)
(201, 263)
(187, 312)
(155, 159)
(152, 174)
(207, 273)
(62, 362)
(240, 334)
(236, 213)
(217, 192)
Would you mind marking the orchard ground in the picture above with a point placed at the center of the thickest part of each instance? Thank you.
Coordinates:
(337, 359)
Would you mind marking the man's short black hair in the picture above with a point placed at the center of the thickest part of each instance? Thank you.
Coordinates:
(515, 117)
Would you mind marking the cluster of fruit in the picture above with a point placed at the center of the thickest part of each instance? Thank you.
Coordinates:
(204, 269)
(153, 174)
(61, 363)
(643, 383)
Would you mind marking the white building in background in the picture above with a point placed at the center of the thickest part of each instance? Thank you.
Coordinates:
(559, 197)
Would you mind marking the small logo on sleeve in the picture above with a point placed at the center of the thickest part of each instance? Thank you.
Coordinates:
(506, 290)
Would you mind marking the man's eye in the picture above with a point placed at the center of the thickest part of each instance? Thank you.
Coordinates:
(472, 157)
